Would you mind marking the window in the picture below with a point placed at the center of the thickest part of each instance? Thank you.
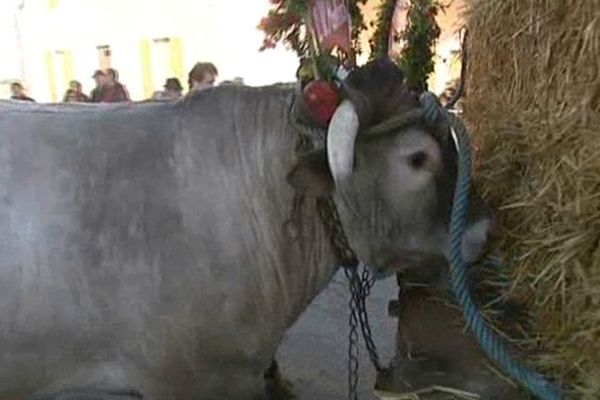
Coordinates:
(161, 61)
(59, 69)
(161, 58)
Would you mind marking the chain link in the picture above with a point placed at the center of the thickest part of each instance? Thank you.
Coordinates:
(366, 283)
(353, 360)
(359, 284)
(360, 287)
(331, 219)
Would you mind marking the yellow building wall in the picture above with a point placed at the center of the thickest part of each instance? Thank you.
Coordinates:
(51, 75)
(146, 69)
(68, 68)
(205, 30)
(177, 69)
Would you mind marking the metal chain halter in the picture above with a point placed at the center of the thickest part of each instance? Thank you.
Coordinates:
(359, 283)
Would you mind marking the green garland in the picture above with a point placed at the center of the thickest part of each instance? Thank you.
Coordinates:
(379, 42)
(420, 35)
(358, 23)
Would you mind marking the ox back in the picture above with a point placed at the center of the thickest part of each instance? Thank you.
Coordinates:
(142, 246)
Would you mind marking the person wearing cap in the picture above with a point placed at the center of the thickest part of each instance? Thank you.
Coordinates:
(172, 91)
(100, 79)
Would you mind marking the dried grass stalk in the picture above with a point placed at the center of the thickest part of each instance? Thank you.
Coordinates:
(533, 105)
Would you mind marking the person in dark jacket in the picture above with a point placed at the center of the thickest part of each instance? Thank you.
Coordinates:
(96, 94)
(113, 91)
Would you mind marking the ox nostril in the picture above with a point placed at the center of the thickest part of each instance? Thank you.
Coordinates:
(417, 159)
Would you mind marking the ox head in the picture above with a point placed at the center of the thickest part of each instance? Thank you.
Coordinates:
(393, 186)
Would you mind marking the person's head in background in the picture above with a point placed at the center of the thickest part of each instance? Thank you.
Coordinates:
(99, 78)
(202, 76)
(173, 88)
(112, 76)
(17, 90)
(75, 86)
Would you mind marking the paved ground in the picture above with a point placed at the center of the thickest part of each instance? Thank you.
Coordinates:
(314, 353)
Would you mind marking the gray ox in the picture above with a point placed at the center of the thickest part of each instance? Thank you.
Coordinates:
(143, 249)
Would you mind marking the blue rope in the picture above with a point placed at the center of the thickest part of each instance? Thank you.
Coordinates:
(491, 344)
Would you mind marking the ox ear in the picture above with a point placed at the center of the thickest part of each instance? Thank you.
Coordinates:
(311, 175)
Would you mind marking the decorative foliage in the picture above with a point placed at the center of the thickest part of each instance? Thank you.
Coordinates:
(379, 42)
(358, 23)
(285, 23)
(326, 65)
(419, 37)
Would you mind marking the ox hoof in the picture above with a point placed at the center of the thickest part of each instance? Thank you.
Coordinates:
(430, 379)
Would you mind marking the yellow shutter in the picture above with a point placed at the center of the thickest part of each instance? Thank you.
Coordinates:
(177, 59)
(146, 67)
(68, 66)
(51, 75)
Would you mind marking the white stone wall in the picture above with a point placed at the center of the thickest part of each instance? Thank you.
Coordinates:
(221, 31)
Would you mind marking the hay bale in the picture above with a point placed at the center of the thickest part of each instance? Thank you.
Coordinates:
(533, 105)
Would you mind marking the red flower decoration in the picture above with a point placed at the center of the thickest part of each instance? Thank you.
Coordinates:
(321, 99)
(263, 24)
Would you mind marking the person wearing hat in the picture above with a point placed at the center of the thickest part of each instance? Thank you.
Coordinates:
(96, 94)
(172, 91)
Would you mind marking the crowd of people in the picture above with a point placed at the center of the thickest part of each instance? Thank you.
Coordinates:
(108, 89)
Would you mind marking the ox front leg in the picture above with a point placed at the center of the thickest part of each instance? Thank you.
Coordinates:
(435, 356)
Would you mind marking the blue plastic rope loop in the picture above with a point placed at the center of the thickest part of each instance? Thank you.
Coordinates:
(491, 344)
(432, 108)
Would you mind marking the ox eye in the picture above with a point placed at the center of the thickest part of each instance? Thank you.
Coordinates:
(417, 159)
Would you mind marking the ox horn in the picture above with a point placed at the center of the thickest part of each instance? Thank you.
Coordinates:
(341, 136)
